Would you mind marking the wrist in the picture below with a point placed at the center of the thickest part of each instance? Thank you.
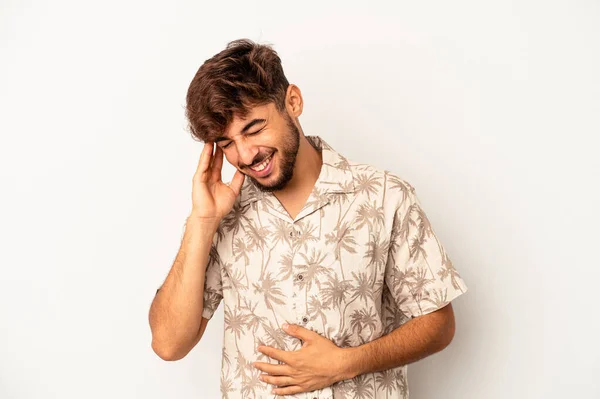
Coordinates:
(350, 364)
(212, 222)
(204, 227)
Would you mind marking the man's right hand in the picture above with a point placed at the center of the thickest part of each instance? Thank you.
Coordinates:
(211, 198)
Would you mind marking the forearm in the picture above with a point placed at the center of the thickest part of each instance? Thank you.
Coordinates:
(414, 340)
(176, 311)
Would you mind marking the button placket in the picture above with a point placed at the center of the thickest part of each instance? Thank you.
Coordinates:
(298, 277)
(302, 318)
(297, 298)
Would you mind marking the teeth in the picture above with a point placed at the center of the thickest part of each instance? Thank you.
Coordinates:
(262, 165)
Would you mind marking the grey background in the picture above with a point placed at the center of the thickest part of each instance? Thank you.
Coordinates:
(490, 109)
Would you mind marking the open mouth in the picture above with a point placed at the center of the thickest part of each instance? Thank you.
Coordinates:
(263, 168)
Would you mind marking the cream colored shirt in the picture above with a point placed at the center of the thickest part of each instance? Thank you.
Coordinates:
(359, 260)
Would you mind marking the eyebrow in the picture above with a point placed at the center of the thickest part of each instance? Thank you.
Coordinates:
(244, 130)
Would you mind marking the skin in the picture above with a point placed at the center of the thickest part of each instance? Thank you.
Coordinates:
(282, 136)
(319, 362)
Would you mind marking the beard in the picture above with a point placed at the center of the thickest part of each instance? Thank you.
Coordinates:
(288, 153)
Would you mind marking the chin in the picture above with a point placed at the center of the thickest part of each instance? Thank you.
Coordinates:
(270, 183)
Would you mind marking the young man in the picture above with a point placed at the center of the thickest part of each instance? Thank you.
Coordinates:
(331, 276)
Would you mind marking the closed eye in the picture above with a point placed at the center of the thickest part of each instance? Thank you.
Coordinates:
(247, 134)
(253, 133)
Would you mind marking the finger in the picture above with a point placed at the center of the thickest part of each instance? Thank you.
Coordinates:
(287, 390)
(236, 182)
(204, 162)
(274, 369)
(277, 380)
(217, 164)
(300, 332)
(276, 354)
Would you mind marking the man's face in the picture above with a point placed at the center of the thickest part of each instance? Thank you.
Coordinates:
(264, 134)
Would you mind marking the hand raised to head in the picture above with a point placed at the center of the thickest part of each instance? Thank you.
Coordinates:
(211, 198)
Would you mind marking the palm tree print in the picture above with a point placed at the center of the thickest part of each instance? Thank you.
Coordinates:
(311, 269)
(399, 184)
(367, 184)
(364, 389)
(378, 250)
(287, 265)
(402, 385)
(306, 236)
(334, 291)
(386, 380)
(343, 240)
(240, 250)
(257, 237)
(370, 215)
(233, 221)
(358, 261)
(448, 270)
(235, 321)
(280, 231)
(271, 293)
(316, 310)
(438, 298)
(253, 383)
(361, 319)
(226, 386)
(364, 291)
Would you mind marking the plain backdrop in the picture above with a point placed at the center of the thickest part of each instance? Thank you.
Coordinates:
(490, 109)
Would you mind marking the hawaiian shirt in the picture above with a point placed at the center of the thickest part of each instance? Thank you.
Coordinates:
(359, 260)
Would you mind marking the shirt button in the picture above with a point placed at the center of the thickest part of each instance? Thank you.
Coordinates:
(300, 277)
(305, 320)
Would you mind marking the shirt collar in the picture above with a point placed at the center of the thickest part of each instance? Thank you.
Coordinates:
(335, 176)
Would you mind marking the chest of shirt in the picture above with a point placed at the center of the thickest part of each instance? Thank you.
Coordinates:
(341, 237)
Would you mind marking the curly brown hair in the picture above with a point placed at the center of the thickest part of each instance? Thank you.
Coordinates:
(244, 75)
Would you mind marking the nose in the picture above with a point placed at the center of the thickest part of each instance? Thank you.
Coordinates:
(247, 153)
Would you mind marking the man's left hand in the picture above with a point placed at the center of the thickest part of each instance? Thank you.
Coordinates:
(317, 364)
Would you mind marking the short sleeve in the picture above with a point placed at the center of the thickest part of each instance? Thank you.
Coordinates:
(213, 287)
(419, 274)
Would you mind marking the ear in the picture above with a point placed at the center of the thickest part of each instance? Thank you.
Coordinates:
(293, 101)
